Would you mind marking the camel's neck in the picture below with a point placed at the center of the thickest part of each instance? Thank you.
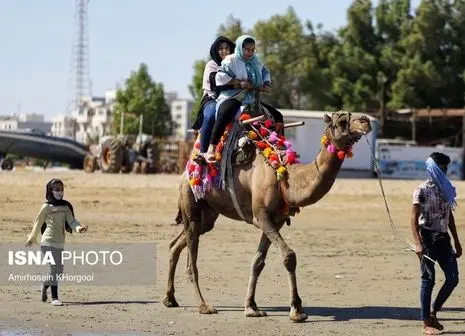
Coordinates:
(308, 183)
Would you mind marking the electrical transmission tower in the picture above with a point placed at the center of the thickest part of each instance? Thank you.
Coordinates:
(79, 79)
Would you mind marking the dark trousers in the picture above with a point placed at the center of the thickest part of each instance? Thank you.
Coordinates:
(208, 122)
(55, 270)
(437, 246)
(226, 113)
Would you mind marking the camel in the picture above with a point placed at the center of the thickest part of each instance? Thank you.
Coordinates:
(264, 202)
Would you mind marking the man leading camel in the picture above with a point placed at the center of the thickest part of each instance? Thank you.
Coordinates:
(432, 216)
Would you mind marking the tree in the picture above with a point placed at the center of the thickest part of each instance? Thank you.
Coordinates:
(383, 58)
(281, 45)
(316, 83)
(424, 60)
(142, 96)
(232, 29)
(354, 62)
(195, 87)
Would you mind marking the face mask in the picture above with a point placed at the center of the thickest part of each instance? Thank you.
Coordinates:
(58, 194)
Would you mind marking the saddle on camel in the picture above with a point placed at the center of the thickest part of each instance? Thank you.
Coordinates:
(252, 131)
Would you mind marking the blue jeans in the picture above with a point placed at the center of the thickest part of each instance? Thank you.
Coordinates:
(209, 112)
(444, 255)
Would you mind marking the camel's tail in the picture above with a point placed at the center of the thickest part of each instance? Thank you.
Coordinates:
(179, 217)
(178, 221)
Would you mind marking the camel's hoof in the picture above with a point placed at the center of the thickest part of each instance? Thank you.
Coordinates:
(250, 312)
(295, 316)
(205, 309)
(170, 302)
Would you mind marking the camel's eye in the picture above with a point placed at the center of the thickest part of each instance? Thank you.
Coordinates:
(342, 123)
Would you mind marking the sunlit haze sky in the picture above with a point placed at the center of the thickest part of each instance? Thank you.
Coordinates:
(37, 38)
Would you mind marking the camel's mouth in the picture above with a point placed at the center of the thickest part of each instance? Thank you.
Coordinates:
(360, 126)
(347, 129)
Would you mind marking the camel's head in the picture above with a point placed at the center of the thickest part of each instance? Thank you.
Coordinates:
(345, 128)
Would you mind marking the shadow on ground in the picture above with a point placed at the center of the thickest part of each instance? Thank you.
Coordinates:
(106, 302)
(356, 313)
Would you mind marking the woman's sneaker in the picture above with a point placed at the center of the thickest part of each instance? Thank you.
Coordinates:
(56, 302)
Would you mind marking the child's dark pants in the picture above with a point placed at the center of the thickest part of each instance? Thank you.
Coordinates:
(55, 270)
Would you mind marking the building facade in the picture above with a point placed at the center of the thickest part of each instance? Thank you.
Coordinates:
(25, 122)
(181, 115)
(63, 127)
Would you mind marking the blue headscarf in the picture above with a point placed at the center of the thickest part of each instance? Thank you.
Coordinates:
(253, 65)
(441, 180)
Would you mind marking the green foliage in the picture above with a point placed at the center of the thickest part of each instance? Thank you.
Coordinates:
(195, 88)
(387, 56)
(232, 29)
(142, 96)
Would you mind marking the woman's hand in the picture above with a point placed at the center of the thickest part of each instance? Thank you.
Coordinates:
(419, 250)
(246, 85)
(458, 249)
(266, 88)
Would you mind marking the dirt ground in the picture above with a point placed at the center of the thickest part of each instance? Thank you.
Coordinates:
(353, 277)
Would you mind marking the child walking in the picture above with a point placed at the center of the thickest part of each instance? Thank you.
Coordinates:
(55, 217)
(432, 217)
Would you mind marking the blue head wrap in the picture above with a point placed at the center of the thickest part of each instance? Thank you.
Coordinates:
(441, 180)
(253, 65)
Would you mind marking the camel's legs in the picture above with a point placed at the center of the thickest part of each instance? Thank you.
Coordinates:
(196, 222)
(258, 263)
(176, 247)
(192, 235)
(297, 313)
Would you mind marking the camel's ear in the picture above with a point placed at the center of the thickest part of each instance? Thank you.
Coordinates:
(327, 118)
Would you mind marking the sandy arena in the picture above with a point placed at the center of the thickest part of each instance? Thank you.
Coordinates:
(353, 277)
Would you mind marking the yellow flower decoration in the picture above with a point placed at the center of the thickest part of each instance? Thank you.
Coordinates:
(267, 152)
(281, 170)
(280, 173)
(252, 135)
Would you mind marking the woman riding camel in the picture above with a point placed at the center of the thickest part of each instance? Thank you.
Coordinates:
(244, 71)
(205, 119)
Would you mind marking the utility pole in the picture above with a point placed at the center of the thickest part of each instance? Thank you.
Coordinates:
(382, 79)
(121, 124)
(414, 125)
(79, 76)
